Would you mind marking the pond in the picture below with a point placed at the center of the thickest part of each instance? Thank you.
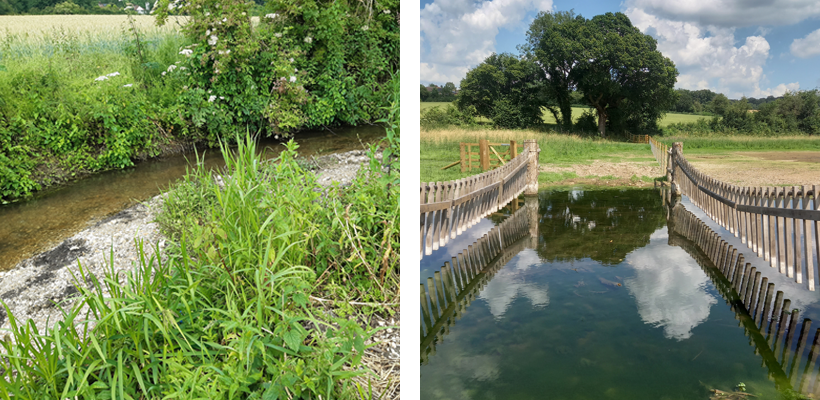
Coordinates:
(602, 301)
(49, 217)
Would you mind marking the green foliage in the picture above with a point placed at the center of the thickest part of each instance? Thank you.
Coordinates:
(442, 117)
(228, 314)
(555, 40)
(794, 113)
(306, 65)
(505, 89)
(623, 75)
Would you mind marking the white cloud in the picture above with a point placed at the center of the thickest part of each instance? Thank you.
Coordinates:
(509, 283)
(669, 295)
(731, 13)
(460, 34)
(708, 58)
(808, 46)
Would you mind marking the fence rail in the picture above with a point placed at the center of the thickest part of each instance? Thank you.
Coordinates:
(448, 208)
(770, 325)
(776, 223)
(452, 289)
(661, 153)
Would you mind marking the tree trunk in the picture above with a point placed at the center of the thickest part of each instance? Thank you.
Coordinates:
(566, 113)
(601, 121)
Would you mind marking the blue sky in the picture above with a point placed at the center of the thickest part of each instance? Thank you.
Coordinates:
(752, 48)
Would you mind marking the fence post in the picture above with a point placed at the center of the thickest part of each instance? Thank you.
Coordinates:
(531, 146)
(677, 151)
(484, 154)
(513, 149)
(463, 161)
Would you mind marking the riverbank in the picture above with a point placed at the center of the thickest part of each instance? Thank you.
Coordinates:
(38, 287)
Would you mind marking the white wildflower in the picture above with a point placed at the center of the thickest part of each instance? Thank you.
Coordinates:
(211, 99)
(291, 59)
(277, 34)
(182, 68)
(128, 85)
(208, 32)
(387, 11)
(185, 87)
(244, 13)
(207, 14)
(308, 39)
(212, 40)
(163, 73)
(224, 20)
(224, 52)
(365, 28)
(113, 74)
(186, 52)
(293, 79)
(271, 16)
(171, 68)
(101, 78)
(221, 98)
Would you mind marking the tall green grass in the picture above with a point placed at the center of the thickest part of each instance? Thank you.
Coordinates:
(740, 142)
(225, 313)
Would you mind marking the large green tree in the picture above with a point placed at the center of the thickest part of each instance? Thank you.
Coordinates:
(555, 43)
(623, 75)
(506, 89)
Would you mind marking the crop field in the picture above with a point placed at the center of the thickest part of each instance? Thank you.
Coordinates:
(670, 118)
(40, 28)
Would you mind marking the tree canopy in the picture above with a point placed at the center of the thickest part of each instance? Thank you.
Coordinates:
(506, 89)
(623, 75)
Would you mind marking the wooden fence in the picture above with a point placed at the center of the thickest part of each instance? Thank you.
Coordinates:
(450, 291)
(449, 208)
(487, 157)
(776, 223)
(661, 153)
(771, 326)
(637, 138)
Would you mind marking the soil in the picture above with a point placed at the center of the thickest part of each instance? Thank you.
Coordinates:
(773, 168)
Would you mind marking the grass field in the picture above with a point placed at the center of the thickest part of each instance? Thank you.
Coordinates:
(441, 147)
(671, 118)
(38, 28)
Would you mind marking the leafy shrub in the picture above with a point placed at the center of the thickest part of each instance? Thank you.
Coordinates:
(587, 122)
(442, 117)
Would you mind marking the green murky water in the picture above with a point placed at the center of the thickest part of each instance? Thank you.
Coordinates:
(33, 226)
(603, 307)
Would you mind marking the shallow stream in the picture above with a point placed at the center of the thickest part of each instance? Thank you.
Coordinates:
(29, 227)
(605, 303)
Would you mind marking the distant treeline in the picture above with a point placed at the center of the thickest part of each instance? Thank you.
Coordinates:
(435, 93)
(794, 112)
(700, 101)
(41, 7)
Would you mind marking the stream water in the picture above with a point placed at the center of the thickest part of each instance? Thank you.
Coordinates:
(606, 303)
(53, 215)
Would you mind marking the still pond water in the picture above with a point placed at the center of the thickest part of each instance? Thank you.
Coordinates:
(603, 307)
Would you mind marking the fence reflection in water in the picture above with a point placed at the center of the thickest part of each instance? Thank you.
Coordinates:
(770, 325)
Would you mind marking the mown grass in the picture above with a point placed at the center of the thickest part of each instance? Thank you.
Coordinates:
(743, 143)
(670, 118)
(226, 312)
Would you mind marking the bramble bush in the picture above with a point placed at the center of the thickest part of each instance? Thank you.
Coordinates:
(72, 107)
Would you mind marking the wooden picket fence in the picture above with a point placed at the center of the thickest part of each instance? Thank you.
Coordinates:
(637, 138)
(771, 326)
(449, 208)
(660, 151)
(776, 223)
(452, 289)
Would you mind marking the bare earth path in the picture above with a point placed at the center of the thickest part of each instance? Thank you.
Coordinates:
(742, 168)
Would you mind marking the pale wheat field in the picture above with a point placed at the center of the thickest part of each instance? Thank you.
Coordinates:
(44, 27)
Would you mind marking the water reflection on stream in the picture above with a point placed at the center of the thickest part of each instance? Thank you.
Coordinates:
(604, 306)
(33, 226)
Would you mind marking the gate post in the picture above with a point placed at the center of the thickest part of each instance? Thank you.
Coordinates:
(531, 146)
(463, 158)
(484, 154)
